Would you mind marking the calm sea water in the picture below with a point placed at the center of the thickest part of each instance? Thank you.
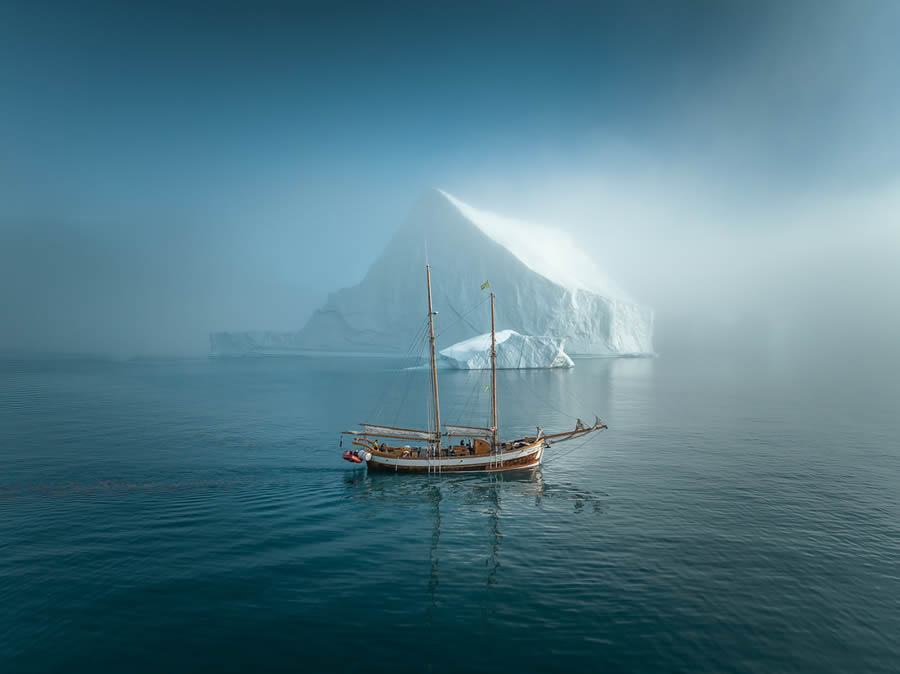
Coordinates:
(738, 516)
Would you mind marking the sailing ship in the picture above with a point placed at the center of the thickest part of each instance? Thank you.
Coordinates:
(455, 448)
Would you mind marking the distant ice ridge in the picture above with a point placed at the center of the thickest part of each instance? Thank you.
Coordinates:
(544, 284)
(264, 343)
(514, 351)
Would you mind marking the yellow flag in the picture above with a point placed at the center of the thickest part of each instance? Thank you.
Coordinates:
(487, 387)
(485, 285)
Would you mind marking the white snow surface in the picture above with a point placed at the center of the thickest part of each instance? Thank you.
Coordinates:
(544, 285)
(514, 351)
(548, 251)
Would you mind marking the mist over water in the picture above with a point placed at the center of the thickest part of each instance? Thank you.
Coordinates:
(734, 168)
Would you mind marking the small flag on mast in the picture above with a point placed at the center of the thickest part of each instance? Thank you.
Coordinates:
(485, 285)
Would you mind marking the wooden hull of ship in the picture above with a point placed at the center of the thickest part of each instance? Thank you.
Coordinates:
(525, 457)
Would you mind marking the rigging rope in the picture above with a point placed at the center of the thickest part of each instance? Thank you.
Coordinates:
(414, 354)
(462, 317)
(569, 451)
(410, 373)
(411, 353)
(462, 406)
(545, 400)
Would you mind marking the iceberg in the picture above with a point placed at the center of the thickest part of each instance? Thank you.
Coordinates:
(544, 282)
(514, 351)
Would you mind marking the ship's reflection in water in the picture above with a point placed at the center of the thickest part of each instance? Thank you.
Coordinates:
(460, 497)
(434, 574)
(385, 489)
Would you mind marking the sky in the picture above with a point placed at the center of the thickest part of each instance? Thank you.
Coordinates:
(171, 169)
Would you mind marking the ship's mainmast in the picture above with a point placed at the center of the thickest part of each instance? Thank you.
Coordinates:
(434, 381)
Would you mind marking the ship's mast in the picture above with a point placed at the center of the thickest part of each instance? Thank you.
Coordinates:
(496, 433)
(437, 406)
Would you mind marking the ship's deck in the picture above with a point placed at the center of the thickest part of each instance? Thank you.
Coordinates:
(476, 447)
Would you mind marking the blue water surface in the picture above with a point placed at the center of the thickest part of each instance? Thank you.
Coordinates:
(195, 515)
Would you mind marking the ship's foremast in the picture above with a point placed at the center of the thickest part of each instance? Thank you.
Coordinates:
(495, 431)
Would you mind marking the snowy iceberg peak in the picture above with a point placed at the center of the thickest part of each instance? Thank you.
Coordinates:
(514, 351)
(547, 251)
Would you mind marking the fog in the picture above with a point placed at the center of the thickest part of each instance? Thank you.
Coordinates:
(737, 170)
(816, 275)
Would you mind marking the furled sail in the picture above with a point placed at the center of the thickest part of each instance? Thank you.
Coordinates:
(469, 431)
(392, 431)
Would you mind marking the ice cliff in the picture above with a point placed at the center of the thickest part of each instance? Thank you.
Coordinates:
(545, 284)
(514, 351)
